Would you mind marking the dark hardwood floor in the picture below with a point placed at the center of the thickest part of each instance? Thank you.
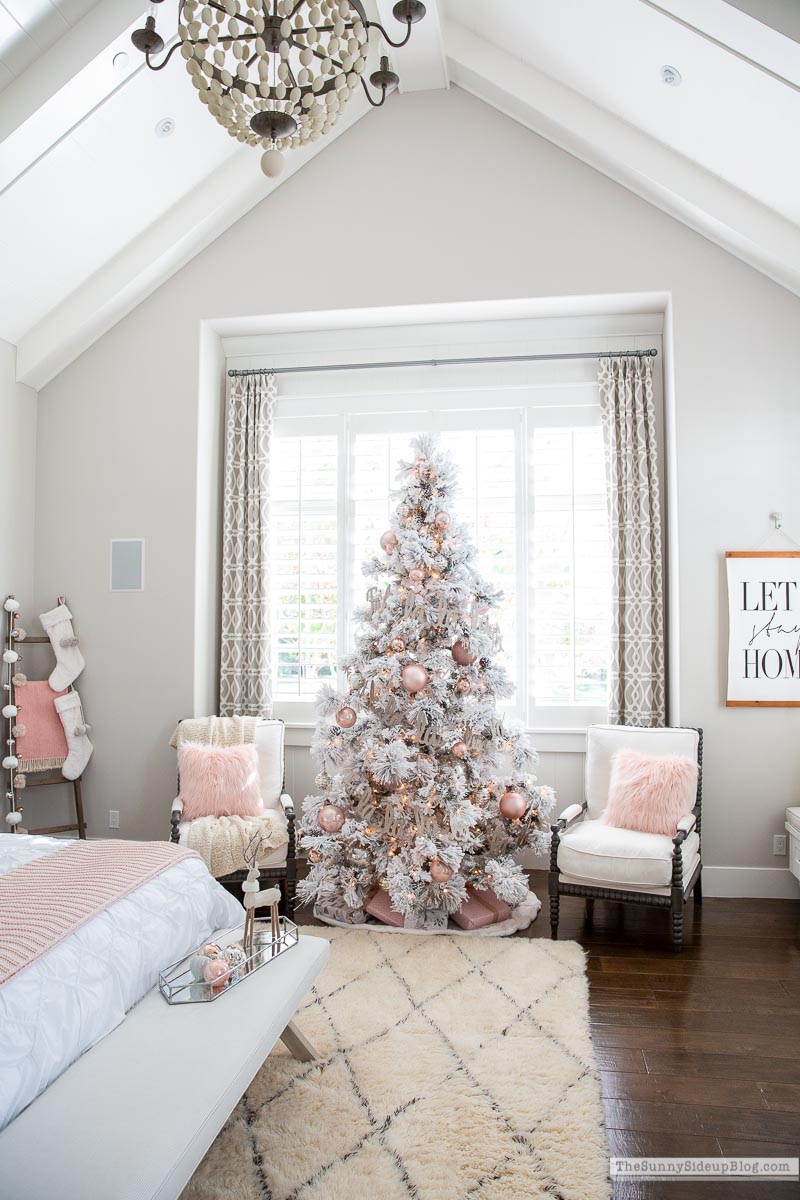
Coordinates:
(699, 1052)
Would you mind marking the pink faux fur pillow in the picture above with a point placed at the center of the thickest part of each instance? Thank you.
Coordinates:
(219, 781)
(650, 794)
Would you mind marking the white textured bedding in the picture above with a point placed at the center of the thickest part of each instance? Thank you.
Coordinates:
(79, 991)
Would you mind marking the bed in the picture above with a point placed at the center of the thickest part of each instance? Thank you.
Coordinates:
(76, 993)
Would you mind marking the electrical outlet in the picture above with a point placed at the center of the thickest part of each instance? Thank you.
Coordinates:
(779, 843)
(113, 819)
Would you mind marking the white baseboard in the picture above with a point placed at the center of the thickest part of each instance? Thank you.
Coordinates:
(751, 882)
(777, 883)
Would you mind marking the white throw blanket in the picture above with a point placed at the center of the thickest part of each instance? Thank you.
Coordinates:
(215, 731)
(222, 841)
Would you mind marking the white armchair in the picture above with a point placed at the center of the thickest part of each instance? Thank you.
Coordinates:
(279, 865)
(598, 861)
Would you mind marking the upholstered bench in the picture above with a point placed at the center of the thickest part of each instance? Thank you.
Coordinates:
(133, 1117)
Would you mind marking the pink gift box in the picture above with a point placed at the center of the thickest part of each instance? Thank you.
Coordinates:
(380, 906)
(501, 910)
(473, 914)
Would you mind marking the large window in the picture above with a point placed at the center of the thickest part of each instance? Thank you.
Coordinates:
(532, 492)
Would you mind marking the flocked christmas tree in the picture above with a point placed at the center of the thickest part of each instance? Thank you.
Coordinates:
(424, 788)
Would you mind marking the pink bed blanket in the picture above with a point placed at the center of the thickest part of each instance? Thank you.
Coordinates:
(44, 901)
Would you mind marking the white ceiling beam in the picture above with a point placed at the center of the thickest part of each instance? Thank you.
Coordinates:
(166, 246)
(421, 63)
(59, 64)
(736, 222)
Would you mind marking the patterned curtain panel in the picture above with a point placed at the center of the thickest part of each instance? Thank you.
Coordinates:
(245, 660)
(637, 693)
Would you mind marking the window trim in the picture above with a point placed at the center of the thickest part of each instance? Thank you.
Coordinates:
(600, 324)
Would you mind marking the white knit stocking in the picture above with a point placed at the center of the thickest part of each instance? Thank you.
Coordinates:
(57, 624)
(77, 731)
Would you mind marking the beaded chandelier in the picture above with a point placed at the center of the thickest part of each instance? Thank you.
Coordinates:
(278, 73)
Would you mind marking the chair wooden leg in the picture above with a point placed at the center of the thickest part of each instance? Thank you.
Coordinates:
(554, 905)
(698, 889)
(677, 922)
(589, 910)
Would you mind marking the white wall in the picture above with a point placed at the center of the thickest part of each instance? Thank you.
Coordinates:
(437, 198)
(17, 481)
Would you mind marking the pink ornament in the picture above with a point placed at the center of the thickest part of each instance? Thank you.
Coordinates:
(513, 805)
(398, 645)
(389, 541)
(346, 717)
(414, 677)
(216, 971)
(463, 686)
(416, 575)
(440, 872)
(331, 818)
(211, 950)
(442, 520)
(459, 750)
(462, 654)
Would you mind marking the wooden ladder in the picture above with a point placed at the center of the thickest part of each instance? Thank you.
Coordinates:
(50, 779)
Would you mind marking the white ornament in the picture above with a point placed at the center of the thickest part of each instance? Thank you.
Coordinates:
(10, 762)
(11, 605)
(10, 710)
(272, 163)
(10, 656)
(13, 818)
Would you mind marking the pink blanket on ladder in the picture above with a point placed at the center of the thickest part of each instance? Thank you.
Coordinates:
(46, 900)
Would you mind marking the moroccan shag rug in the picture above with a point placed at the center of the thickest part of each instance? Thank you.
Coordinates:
(453, 1068)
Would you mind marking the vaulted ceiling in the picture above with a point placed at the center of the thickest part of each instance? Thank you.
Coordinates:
(97, 207)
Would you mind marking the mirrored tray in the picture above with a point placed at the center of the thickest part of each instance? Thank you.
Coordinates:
(178, 985)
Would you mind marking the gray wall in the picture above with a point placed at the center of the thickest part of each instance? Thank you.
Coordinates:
(437, 198)
(17, 482)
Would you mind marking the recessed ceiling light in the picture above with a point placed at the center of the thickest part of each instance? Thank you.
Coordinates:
(120, 61)
(671, 76)
(165, 127)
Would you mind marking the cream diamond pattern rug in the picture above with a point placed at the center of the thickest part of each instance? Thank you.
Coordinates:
(453, 1068)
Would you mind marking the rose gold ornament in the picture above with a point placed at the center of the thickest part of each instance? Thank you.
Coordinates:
(346, 717)
(211, 950)
(314, 856)
(513, 805)
(331, 818)
(416, 575)
(440, 872)
(414, 677)
(442, 520)
(398, 645)
(389, 541)
(462, 654)
(216, 971)
(459, 750)
(463, 685)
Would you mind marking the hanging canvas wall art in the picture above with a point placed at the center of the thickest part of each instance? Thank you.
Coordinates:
(764, 628)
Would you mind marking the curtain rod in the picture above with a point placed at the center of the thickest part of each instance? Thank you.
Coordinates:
(445, 362)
